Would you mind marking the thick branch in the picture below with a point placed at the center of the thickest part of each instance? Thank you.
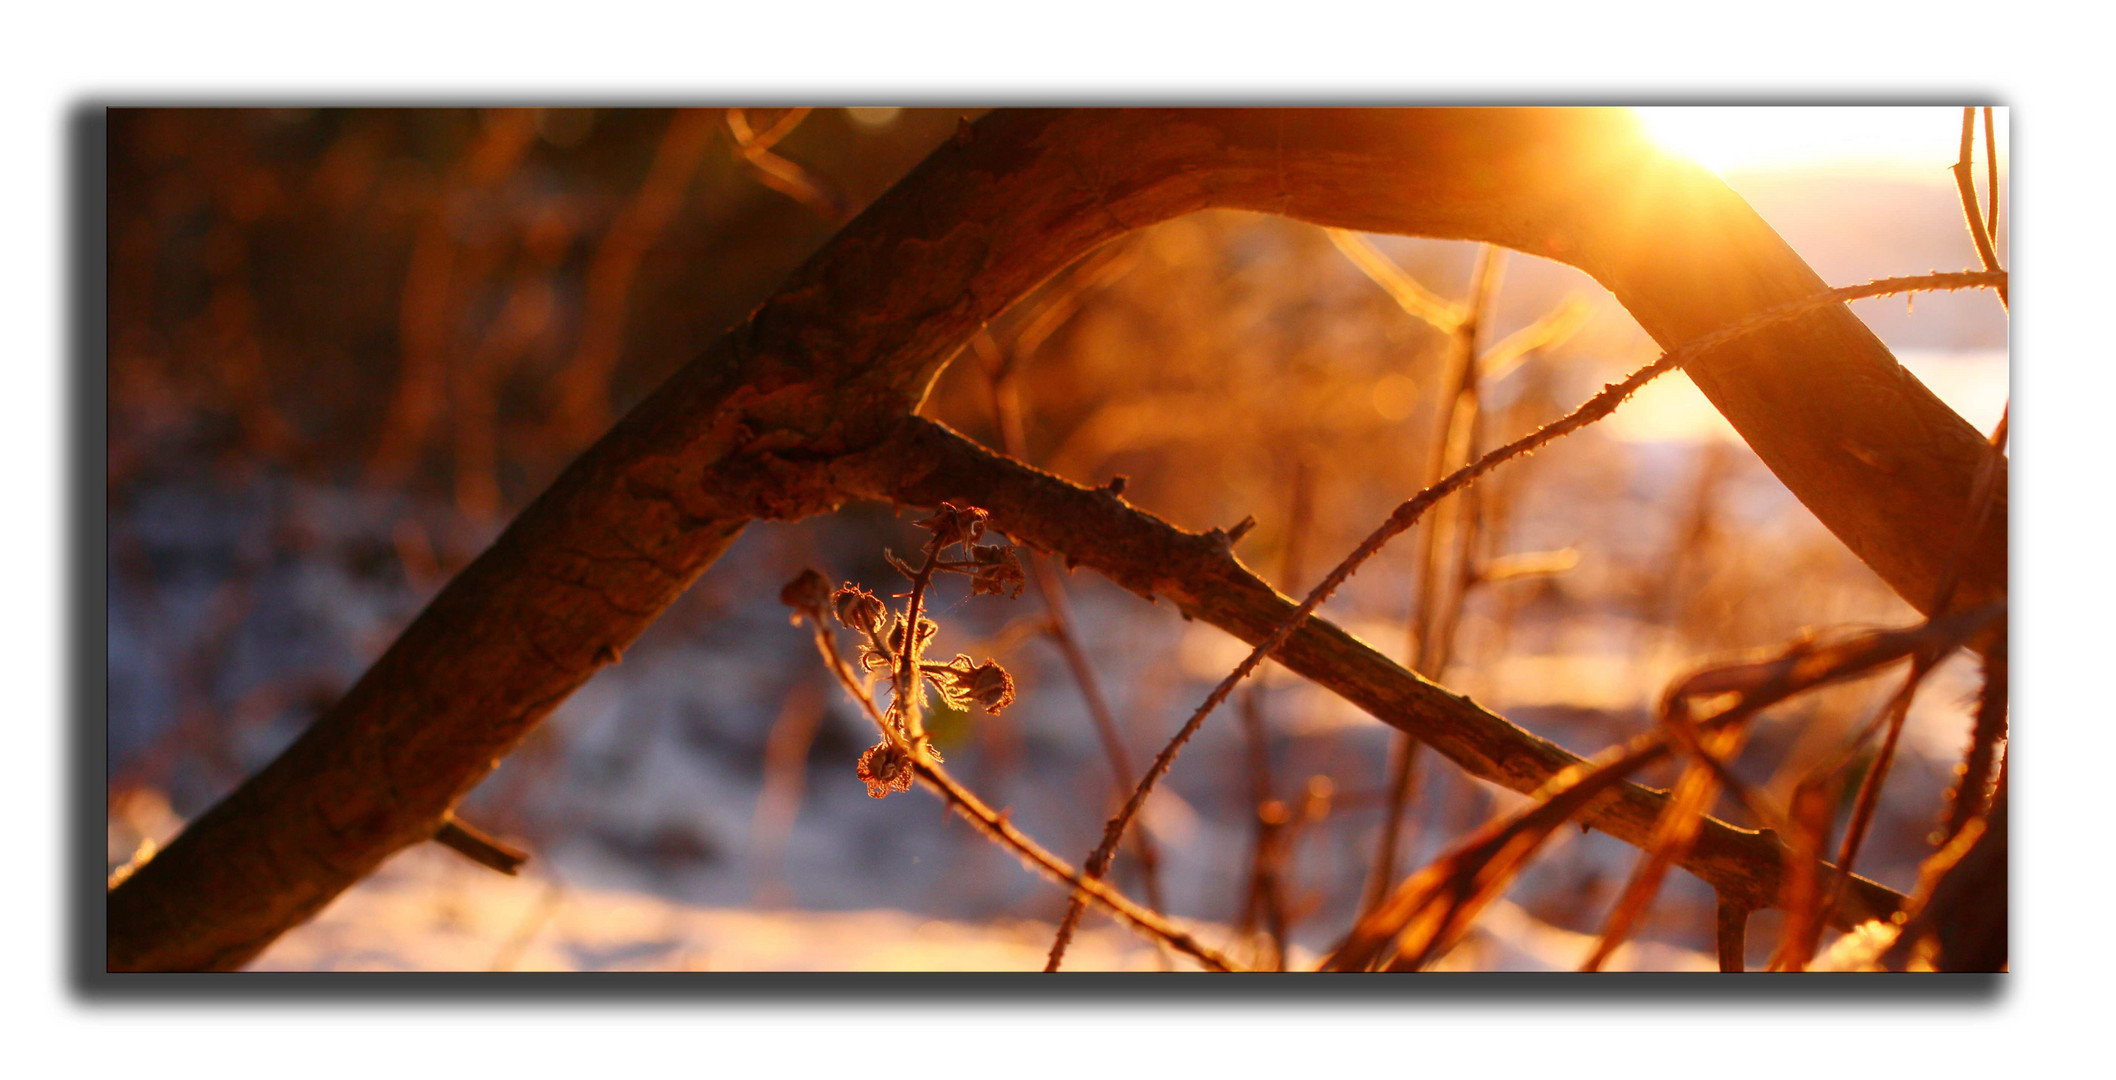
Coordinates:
(850, 343)
(927, 464)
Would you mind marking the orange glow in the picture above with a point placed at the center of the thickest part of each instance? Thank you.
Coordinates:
(1919, 139)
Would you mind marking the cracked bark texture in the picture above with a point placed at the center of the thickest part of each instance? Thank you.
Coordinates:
(834, 361)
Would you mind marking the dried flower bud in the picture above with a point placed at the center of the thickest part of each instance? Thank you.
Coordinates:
(952, 524)
(886, 767)
(807, 595)
(990, 686)
(998, 572)
(858, 609)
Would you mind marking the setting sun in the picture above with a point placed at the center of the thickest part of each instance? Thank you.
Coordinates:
(1870, 138)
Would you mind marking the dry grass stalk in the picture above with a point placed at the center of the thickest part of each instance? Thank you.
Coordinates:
(1408, 513)
(1000, 368)
(1264, 896)
(435, 284)
(1693, 797)
(1428, 912)
(1965, 184)
(581, 390)
(1801, 935)
(1430, 628)
(786, 748)
(781, 175)
(1958, 916)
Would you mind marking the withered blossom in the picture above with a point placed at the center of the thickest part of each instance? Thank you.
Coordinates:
(997, 573)
(990, 686)
(953, 524)
(886, 767)
(892, 645)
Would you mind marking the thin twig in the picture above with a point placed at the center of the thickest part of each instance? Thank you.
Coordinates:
(1676, 831)
(1260, 892)
(1431, 623)
(996, 826)
(1990, 178)
(1415, 299)
(1064, 633)
(1972, 788)
(1549, 330)
(1003, 390)
(1869, 796)
(1264, 895)
(1982, 495)
(910, 681)
(1003, 387)
(1965, 183)
(1408, 513)
(1432, 907)
(1959, 912)
(778, 173)
(1706, 772)
(1815, 886)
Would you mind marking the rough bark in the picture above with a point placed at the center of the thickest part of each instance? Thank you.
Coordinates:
(833, 361)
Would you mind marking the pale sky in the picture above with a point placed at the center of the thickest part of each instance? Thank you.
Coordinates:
(1914, 139)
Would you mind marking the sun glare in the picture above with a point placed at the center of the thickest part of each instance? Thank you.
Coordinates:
(1868, 138)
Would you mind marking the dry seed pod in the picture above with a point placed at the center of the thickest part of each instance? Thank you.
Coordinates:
(990, 686)
(808, 594)
(886, 767)
(858, 609)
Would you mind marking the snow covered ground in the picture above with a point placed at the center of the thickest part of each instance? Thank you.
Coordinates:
(429, 910)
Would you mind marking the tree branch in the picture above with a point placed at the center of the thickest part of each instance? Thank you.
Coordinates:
(926, 464)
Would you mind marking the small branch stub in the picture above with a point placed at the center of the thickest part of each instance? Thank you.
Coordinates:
(480, 847)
